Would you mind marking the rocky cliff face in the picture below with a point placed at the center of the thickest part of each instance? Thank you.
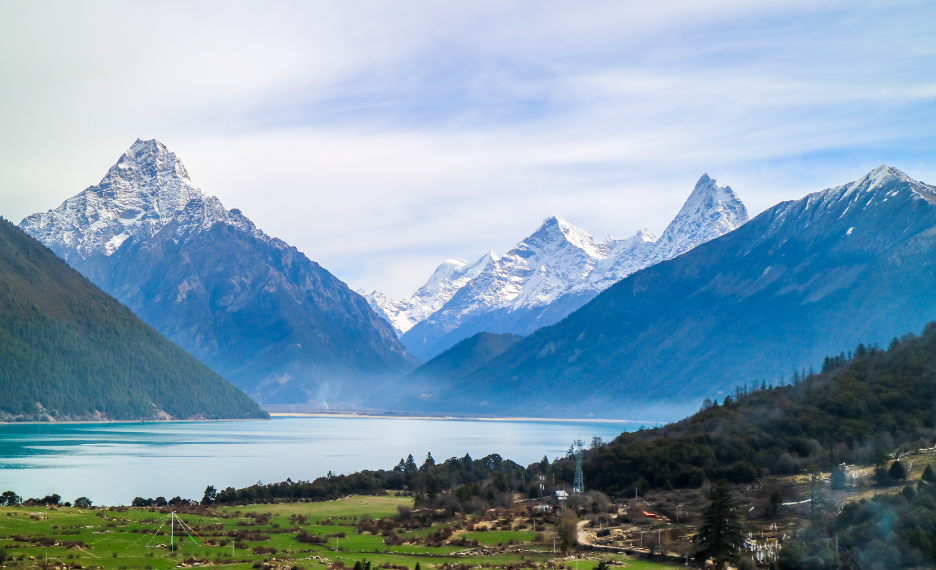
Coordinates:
(559, 268)
(256, 310)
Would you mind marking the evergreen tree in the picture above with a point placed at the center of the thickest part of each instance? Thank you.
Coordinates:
(401, 466)
(928, 475)
(410, 467)
(429, 462)
(432, 488)
(893, 344)
(720, 535)
(897, 471)
(776, 501)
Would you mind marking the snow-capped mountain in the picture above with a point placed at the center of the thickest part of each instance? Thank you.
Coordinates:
(250, 306)
(445, 281)
(560, 267)
(802, 280)
(146, 190)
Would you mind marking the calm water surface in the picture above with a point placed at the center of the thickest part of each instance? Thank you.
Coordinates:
(113, 463)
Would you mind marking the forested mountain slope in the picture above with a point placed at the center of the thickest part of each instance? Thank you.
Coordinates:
(856, 411)
(72, 352)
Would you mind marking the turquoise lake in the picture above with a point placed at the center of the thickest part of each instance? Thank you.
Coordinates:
(112, 463)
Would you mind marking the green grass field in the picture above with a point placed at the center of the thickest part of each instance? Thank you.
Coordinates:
(138, 538)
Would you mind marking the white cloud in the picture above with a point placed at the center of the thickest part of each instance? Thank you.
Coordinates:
(381, 138)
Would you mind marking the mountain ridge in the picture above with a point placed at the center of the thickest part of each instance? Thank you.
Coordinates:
(249, 305)
(560, 267)
(752, 304)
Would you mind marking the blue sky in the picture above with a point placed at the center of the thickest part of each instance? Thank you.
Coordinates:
(381, 137)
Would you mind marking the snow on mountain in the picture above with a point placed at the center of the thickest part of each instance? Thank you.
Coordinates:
(254, 309)
(846, 265)
(561, 261)
(710, 211)
(146, 190)
(445, 281)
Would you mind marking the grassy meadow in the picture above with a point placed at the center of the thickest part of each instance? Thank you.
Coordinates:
(265, 537)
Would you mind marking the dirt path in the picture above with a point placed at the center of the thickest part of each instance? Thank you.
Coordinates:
(582, 535)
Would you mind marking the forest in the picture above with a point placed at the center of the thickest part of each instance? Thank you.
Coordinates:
(73, 352)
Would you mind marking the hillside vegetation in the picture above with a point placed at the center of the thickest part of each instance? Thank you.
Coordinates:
(70, 351)
(859, 409)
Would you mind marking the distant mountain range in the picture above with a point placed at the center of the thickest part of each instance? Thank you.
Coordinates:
(445, 281)
(248, 305)
(554, 271)
(802, 280)
(637, 328)
(72, 352)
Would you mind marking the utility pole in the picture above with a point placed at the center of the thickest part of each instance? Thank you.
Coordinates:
(171, 531)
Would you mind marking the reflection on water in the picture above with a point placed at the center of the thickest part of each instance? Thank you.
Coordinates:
(113, 463)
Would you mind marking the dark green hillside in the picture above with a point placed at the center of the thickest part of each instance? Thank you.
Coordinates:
(443, 371)
(71, 352)
(854, 412)
(465, 357)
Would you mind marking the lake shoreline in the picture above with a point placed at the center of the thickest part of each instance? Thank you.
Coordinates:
(339, 415)
(80, 422)
(353, 415)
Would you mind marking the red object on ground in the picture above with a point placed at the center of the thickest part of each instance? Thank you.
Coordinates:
(646, 514)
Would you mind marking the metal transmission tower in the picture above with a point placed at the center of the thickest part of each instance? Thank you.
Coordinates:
(579, 485)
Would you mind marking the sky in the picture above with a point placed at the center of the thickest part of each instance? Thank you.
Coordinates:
(381, 138)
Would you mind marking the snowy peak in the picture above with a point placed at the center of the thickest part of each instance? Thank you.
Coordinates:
(448, 278)
(558, 262)
(885, 175)
(149, 174)
(883, 187)
(146, 189)
(709, 212)
(556, 233)
(645, 234)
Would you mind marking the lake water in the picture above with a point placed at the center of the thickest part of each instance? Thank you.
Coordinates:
(113, 463)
